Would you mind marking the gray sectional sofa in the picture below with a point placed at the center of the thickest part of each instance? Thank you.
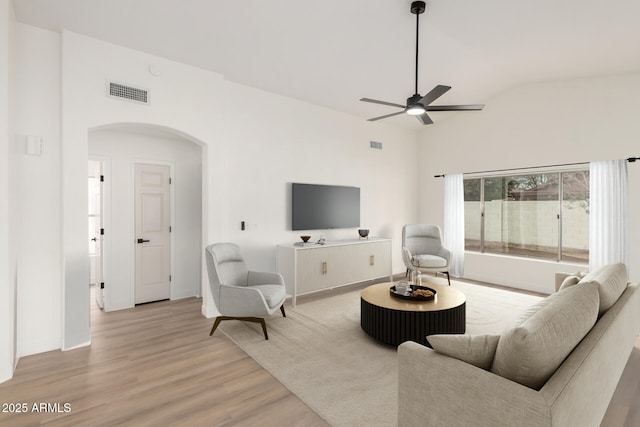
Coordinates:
(512, 379)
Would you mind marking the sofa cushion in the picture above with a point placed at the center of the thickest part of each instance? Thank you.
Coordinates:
(543, 335)
(477, 350)
(429, 261)
(612, 281)
(273, 294)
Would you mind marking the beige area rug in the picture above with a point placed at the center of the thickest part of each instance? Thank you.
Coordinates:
(321, 354)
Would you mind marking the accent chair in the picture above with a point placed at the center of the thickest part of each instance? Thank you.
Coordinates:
(422, 249)
(241, 294)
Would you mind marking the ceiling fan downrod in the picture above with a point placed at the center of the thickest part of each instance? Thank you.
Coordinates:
(417, 8)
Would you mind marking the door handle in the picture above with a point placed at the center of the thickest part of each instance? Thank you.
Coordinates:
(95, 239)
(142, 241)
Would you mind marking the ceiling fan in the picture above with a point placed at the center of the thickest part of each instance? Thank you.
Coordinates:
(418, 105)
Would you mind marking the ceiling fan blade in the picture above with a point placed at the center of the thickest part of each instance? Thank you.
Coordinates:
(385, 116)
(471, 107)
(425, 119)
(434, 94)
(375, 101)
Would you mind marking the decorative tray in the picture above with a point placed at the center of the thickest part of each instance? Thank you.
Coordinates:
(409, 294)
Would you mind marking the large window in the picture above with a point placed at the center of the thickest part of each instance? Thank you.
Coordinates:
(543, 215)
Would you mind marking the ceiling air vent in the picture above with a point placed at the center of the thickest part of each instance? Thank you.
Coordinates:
(128, 92)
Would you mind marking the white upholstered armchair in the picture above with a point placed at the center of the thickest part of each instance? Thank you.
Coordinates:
(241, 294)
(422, 249)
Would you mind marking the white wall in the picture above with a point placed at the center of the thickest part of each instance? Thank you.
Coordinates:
(37, 185)
(7, 271)
(274, 141)
(121, 149)
(536, 124)
(183, 98)
(251, 152)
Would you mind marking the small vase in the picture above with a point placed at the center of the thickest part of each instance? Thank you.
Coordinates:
(414, 277)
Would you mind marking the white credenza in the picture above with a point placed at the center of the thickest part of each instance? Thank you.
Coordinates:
(312, 267)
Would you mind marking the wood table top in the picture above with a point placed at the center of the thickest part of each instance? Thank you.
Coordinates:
(446, 298)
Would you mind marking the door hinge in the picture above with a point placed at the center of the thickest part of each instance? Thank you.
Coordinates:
(169, 229)
(101, 285)
(101, 178)
(169, 180)
(169, 277)
(102, 231)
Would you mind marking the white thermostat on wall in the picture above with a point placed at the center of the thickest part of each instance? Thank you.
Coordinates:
(34, 145)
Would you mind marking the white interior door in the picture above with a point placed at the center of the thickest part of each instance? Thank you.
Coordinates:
(95, 229)
(153, 242)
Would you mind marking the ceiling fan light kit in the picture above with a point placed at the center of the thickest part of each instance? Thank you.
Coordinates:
(414, 107)
(416, 104)
(415, 110)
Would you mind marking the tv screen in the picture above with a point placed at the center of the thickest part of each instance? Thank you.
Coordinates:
(317, 207)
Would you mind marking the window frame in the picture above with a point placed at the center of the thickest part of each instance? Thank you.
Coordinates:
(559, 215)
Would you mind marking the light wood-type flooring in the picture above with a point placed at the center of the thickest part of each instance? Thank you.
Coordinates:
(153, 365)
(156, 365)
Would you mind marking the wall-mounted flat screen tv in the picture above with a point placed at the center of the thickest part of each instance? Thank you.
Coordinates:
(318, 207)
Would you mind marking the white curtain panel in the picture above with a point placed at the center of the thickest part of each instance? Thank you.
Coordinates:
(453, 238)
(608, 216)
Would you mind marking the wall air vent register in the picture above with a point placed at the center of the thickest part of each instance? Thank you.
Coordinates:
(127, 92)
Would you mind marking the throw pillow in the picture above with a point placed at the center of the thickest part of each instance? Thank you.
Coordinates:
(612, 281)
(477, 350)
(543, 336)
(569, 281)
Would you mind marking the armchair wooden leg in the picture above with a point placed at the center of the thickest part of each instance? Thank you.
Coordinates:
(282, 310)
(244, 319)
(448, 278)
(264, 328)
(215, 325)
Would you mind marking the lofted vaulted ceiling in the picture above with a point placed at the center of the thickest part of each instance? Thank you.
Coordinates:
(334, 52)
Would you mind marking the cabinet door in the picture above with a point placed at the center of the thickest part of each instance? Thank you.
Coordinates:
(379, 259)
(320, 268)
(369, 261)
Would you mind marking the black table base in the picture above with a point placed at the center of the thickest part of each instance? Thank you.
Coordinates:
(397, 326)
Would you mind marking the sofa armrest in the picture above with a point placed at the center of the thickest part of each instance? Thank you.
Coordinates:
(407, 257)
(438, 390)
(446, 254)
(560, 278)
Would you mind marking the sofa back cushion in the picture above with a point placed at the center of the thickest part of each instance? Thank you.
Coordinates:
(476, 350)
(612, 280)
(541, 338)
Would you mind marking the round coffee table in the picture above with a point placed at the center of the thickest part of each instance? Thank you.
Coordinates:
(394, 320)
